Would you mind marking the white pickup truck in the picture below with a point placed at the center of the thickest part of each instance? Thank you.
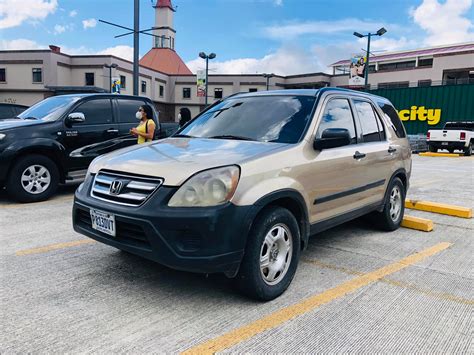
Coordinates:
(454, 136)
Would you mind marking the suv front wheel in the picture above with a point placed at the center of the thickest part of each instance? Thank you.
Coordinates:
(33, 178)
(271, 256)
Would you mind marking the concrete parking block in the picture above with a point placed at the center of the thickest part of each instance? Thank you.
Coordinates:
(448, 155)
(421, 224)
(441, 208)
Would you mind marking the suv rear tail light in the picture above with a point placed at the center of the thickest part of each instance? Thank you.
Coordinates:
(462, 136)
(428, 135)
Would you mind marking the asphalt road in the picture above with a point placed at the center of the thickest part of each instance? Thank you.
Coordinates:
(356, 290)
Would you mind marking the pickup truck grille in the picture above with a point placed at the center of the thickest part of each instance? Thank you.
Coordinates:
(124, 189)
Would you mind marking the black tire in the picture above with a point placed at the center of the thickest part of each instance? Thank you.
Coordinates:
(468, 150)
(451, 151)
(250, 279)
(386, 220)
(432, 149)
(42, 189)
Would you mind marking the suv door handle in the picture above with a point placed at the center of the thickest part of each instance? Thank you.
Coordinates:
(359, 155)
(392, 150)
(112, 130)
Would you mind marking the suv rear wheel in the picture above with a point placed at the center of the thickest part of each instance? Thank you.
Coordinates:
(271, 256)
(33, 178)
(392, 215)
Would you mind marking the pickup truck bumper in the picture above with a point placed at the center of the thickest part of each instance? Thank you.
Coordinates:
(448, 145)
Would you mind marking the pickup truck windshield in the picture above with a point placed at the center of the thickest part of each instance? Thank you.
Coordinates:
(280, 119)
(49, 109)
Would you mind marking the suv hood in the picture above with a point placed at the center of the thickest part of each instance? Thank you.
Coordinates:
(176, 159)
(18, 122)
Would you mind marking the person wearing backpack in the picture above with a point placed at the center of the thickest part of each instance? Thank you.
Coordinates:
(145, 131)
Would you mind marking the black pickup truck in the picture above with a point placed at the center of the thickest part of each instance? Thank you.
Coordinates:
(36, 146)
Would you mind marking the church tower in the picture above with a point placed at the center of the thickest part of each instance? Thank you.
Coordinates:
(164, 15)
(162, 56)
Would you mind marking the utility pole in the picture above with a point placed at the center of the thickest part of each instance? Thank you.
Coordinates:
(207, 57)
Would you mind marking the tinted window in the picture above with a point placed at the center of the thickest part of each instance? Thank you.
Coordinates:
(281, 119)
(96, 111)
(89, 79)
(128, 109)
(337, 114)
(368, 121)
(392, 116)
(6, 111)
(49, 109)
(186, 93)
(37, 75)
(19, 109)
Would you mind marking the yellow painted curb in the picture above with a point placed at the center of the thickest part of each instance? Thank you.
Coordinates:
(441, 208)
(421, 224)
(449, 155)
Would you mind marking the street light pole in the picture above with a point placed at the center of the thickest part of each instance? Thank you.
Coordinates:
(380, 32)
(207, 57)
(136, 44)
(268, 76)
(113, 65)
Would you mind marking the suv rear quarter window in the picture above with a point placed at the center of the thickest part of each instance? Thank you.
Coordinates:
(391, 116)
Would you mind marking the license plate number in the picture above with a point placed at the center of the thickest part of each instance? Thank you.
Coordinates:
(444, 143)
(103, 222)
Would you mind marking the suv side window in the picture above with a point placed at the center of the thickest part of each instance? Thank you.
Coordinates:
(338, 114)
(128, 109)
(96, 111)
(372, 128)
(392, 116)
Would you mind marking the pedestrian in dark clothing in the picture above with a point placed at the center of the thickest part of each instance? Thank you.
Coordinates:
(184, 116)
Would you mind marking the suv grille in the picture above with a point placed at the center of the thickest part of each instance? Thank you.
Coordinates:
(123, 189)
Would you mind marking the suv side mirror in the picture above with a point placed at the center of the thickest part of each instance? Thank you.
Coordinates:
(75, 117)
(332, 138)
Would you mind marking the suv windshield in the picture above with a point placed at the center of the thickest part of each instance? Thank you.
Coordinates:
(49, 109)
(280, 119)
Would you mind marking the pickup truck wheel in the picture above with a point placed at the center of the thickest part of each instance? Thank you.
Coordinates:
(33, 178)
(451, 151)
(468, 150)
(432, 149)
(271, 256)
(392, 214)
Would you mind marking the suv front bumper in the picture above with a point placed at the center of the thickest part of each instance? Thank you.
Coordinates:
(204, 240)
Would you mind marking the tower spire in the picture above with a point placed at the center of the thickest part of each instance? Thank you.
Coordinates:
(164, 29)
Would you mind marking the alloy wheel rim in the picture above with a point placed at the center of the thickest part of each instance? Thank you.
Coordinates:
(395, 203)
(35, 179)
(275, 254)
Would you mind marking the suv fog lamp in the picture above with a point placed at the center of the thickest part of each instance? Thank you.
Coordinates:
(208, 188)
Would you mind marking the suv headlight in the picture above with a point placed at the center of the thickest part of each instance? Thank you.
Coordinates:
(208, 188)
(2, 135)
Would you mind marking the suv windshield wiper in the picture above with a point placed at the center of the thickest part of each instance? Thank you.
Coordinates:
(230, 136)
(181, 136)
(29, 118)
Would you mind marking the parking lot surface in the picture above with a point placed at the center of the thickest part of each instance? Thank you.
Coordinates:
(356, 289)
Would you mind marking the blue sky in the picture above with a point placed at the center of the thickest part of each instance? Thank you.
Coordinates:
(283, 36)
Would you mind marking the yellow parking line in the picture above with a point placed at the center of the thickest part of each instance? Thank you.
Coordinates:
(421, 224)
(281, 316)
(54, 247)
(448, 155)
(441, 208)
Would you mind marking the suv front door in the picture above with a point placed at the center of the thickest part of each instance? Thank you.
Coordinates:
(99, 126)
(337, 180)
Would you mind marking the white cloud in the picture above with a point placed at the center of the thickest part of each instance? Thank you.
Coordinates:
(278, 2)
(89, 23)
(14, 12)
(19, 43)
(73, 13)
(58, 29)
(292, 30)
(285, 61)
(125, 52)
(445, 23)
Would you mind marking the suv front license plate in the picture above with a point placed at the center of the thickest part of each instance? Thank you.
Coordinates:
(103, 222)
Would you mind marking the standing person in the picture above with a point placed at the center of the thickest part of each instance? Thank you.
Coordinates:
(184, 116)
(145, 131)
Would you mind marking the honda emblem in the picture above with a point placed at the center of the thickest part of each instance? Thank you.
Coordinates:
(115, 187)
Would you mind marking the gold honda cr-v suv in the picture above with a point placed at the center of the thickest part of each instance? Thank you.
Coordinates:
(241, 187)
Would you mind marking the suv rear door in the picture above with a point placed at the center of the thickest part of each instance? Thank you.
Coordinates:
(99, 126)
(380, 156)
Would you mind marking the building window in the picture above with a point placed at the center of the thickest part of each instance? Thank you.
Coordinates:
(162, 90)
(37, 75)
(371, 68)
(123, 82)
(397, 66)
(218, 93)
(425, 62)
(186, 93)
(424, 82)
(89, 79)
(143, 86)
(394, 85)
(3, 75)
(253, 90)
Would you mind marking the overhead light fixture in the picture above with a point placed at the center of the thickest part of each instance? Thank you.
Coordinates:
(357, 34)
(381, 31)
